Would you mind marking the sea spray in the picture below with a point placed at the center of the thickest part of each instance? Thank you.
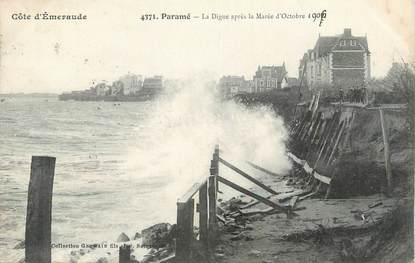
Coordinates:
(186, 125)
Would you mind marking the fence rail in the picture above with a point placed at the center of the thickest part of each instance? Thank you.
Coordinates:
(207, 192)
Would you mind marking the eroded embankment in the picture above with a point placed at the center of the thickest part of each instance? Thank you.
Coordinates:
(345, 143)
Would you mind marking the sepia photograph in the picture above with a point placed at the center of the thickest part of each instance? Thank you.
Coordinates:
(220, 131)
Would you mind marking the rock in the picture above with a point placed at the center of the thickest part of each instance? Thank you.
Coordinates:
(137, 236)
(158, 235)
(236, 238)
(123, 238)
(248, 238)
(20, 245)
(254, 252)
(219, 249)
(102, 260)
(219, 256)
(249, 227)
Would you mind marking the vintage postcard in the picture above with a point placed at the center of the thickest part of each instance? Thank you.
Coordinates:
(220, 131)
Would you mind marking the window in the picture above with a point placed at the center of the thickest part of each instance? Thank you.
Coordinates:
(342, 43)
(353, 42)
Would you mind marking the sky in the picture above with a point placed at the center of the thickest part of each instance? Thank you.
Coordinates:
(57, 56)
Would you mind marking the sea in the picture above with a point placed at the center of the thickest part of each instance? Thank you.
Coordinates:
(121, 166)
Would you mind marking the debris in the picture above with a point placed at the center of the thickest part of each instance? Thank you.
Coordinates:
(242, 236)
(293, 202)
(221, 218)
(375, 204)
(283, 197)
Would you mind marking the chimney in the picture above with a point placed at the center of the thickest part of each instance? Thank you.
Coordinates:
(347, 32)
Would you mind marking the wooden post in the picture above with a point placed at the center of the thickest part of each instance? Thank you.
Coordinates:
(203, 215)
(39, 210)
(184, 230)
(387, 153)
(216, 166)
(212, 211)
(125, 254)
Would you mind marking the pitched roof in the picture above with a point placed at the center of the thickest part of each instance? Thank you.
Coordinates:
(278, 72)
(325, 44)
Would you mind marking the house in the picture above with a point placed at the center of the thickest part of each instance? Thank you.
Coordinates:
(153, 85)
(132, 83)
(267, 78)
(292, 82)
(102, 89)
(229, 86)
(336, 61)
(117, 88)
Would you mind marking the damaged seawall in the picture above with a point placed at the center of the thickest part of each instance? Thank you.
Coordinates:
(346, 144)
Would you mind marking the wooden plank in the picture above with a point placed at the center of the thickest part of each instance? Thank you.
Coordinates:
(307, 196)
(169, 259)
(313, 135)
(311, 171)
(247, 176)
(317, 100)
(203, 215)
(289, 195)
(184, 231)
(262, 169)
(212, 229)
(293, 202)
(386, 152)
(248, 212)
(250, 204)
(190, 193)
(320, 133)
(221, 218)
(39, 210)
(125, 254)
(326, 140)
(322, 178)
(332, 139)
(307, 168)
(337, 142)
(295, 159)
(251, 194)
